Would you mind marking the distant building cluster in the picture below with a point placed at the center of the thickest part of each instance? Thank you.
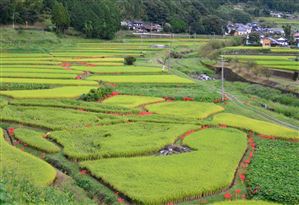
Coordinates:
(141, 26)
(268, 36)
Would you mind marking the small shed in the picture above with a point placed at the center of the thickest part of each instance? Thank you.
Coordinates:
(266, 43)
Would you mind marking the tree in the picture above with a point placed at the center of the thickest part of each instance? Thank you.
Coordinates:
(287, 31)
(254, 38)
(239, 16)
(212, 25)
(178, 25)
(60, 17)
(167, 28)
(97, 19)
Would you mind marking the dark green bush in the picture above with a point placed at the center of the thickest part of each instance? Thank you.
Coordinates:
(97, 94)
(130, 60)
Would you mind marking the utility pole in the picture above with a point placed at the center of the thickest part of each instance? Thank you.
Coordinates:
(222, 79)
(13, 19)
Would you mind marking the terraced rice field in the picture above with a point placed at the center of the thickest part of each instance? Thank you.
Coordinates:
(178, 176)
(35, 139)
(131, 101)
(185, 109)
(275, 62)
(23, 164)
(118, 140)
(141, 79)
(60, 92)
(114, 148)
(258, 126)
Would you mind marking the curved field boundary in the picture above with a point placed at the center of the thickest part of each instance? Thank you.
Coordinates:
(25, 165)
(262, 127)
(100, 169)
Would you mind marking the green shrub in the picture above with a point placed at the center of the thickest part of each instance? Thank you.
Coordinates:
(97, 94)
(130, 60)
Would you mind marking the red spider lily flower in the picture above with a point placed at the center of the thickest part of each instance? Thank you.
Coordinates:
(78, 77)
(227, 195)
(238, 191)
(247, 161)
(188, 99)
(170, 203)
(204, 127)
(242, 177)
(145, 113)
(83, 172)
(222, 125)
(251, 154)
(114, 93)
(187, 134)
(243, 165)
(120, 200)
(11, 131)
(81, 110)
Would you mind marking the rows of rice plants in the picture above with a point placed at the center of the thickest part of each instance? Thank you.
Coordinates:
(258, 126)
(60, 92)
(196, 110)
(119, 69)
(55, 119)
(11, 70)
(141, 79)
(36, 140)
(118, 140)
(278, 62)
(24, 165)
(208, 168)
(75, 104)
(24, 74)
(130, 101)
(49, 81)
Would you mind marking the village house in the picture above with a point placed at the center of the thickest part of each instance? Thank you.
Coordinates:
(140, 26)
(266, 42)
(296, 38)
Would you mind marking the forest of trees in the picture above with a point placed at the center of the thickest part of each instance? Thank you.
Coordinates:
(101, 18)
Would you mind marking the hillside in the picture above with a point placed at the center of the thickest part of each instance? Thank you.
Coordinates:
(101, 19)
